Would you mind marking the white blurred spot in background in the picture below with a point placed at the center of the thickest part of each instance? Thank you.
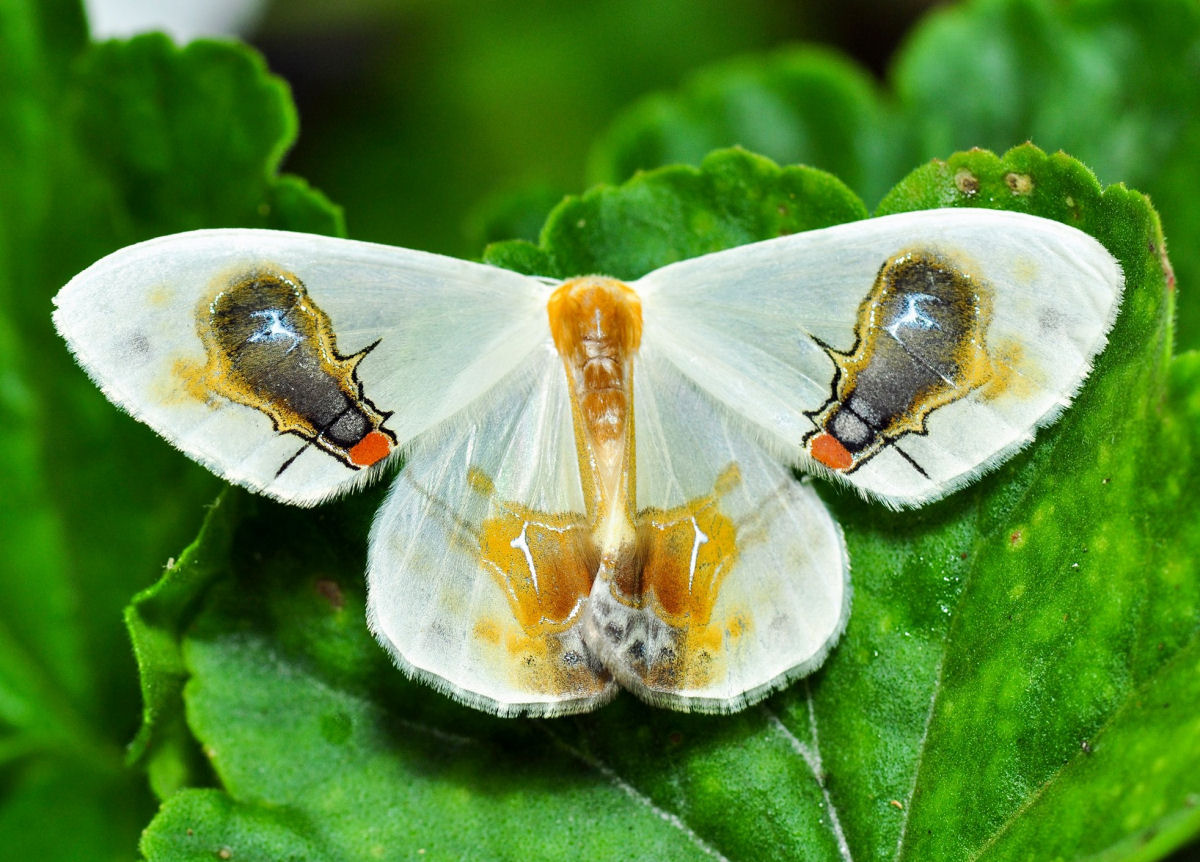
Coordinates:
(183, 20)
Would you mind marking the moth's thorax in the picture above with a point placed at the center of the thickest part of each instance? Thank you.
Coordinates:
(597, 326)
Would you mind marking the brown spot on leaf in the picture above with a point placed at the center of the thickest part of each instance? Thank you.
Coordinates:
(331, 591)
(1019, 184)
(966, 182)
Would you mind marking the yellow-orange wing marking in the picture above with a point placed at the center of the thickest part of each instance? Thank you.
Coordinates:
(482, 561)
(687, 552)
(544, 563)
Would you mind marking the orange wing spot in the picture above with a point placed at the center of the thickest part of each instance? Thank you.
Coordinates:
(829, 451)
(370, 449)
(737, 625)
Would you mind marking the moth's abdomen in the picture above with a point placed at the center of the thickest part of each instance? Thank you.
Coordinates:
(920, 344)
(271, 348)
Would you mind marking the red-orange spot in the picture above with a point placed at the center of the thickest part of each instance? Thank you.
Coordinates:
(829, 451)
(370, 449)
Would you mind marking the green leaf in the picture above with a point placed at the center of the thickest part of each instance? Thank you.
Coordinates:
(1112, 82)
(804, 104)
(1026, 645)
(101, 146)
(678, 213)
(155, 618)
(218, 825)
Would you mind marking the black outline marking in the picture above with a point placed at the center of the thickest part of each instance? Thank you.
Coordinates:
(316, 441)
(811, 415)
(923, 431)
(295, 282)
(289, 461)
(321, 434)
(906, 457)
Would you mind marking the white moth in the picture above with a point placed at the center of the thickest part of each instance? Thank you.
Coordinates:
(597, 491)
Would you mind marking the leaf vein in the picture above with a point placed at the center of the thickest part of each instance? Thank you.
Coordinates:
(812, 757)
(633, 793)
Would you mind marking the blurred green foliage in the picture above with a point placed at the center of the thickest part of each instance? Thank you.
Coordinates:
(417, 111)
(1112, 82)
(101, 146)
(1047, 694)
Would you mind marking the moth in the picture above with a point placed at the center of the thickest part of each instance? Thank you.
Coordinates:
(597, 490)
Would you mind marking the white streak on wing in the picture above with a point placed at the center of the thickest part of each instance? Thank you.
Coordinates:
(913, 315)
(521, 543)
(274, 329)
(699, 539)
